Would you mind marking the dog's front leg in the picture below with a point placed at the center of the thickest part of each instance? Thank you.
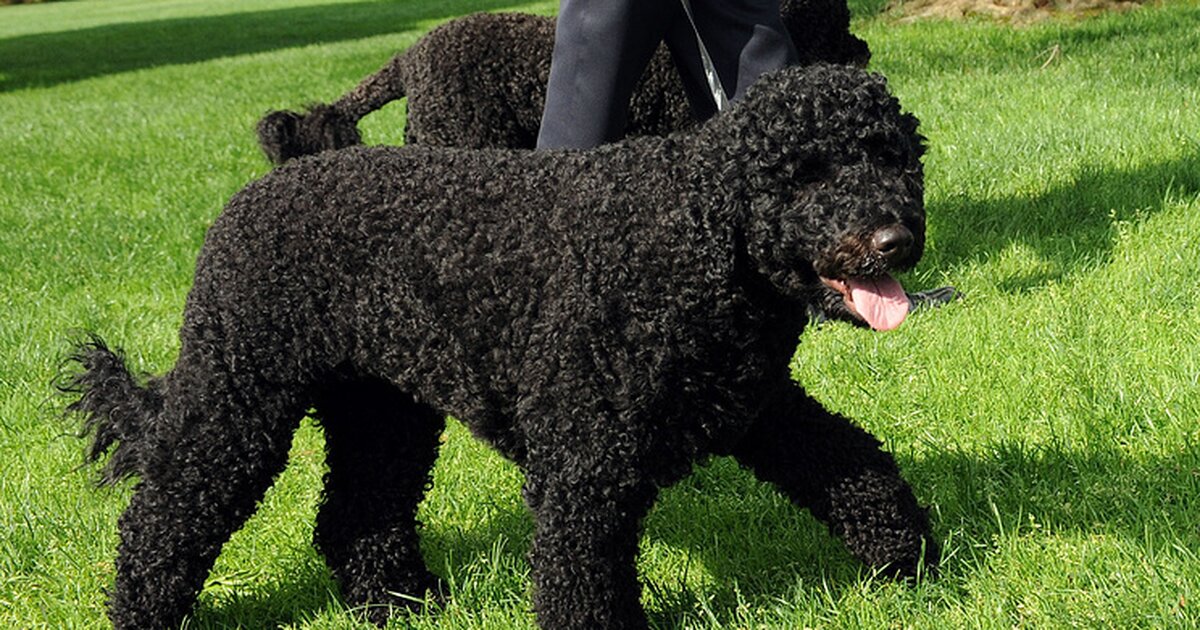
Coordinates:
(588, 497)
(840, 472)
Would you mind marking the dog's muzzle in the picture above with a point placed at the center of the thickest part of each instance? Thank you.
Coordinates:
(879, 299)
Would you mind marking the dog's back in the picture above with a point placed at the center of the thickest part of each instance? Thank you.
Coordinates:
(452, 256)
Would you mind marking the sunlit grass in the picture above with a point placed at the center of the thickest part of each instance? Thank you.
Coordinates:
(1049, 419)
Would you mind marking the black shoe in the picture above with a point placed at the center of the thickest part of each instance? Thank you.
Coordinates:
(932, 298)
(832, 307)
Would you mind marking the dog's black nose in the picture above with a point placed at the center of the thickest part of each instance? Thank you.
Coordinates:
(893, 242)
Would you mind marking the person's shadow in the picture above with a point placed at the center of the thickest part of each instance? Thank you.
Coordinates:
(1069, 226)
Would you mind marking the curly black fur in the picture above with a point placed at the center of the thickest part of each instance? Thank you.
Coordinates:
(115, 407)
(480, 81)
(287, 135)
(603, 318)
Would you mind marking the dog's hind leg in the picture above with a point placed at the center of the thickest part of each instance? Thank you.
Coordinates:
(380, 447)
(840, 472)
(206, 460)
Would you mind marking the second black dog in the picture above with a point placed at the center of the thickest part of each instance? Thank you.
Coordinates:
(480, 82)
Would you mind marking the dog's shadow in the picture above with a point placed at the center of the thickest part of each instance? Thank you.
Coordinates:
(295, 592)
(760, 550)
(754, 548)
(742, 543)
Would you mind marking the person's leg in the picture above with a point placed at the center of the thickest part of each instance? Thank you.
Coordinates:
(680, 38)
(601, 48)
(744, 38)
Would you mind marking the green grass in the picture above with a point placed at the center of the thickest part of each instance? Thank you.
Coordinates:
(1050, 419)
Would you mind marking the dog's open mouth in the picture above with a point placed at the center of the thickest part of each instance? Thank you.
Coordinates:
(880, 301)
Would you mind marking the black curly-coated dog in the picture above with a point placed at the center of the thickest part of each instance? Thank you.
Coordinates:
(604, 318)
(480, 81)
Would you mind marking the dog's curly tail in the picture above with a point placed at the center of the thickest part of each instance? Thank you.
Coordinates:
(117, 410)
(285, 135)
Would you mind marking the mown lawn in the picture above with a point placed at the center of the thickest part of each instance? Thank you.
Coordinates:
(1051, 419)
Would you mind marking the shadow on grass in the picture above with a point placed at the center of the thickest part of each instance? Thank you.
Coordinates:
(1068, 226)
(47, 59)
(1015, 486)
(759, 549)
(302, 591)
(1013, 489)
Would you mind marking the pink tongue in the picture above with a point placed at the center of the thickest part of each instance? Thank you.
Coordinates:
(880, 301)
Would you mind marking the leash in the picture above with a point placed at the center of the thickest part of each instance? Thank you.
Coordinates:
(710, 71)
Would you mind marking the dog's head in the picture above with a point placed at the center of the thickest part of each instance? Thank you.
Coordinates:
(831, 179)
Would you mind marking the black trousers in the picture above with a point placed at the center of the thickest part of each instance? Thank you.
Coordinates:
(602, 47)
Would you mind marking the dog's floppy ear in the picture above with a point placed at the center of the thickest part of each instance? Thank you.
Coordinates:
(774, 134)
